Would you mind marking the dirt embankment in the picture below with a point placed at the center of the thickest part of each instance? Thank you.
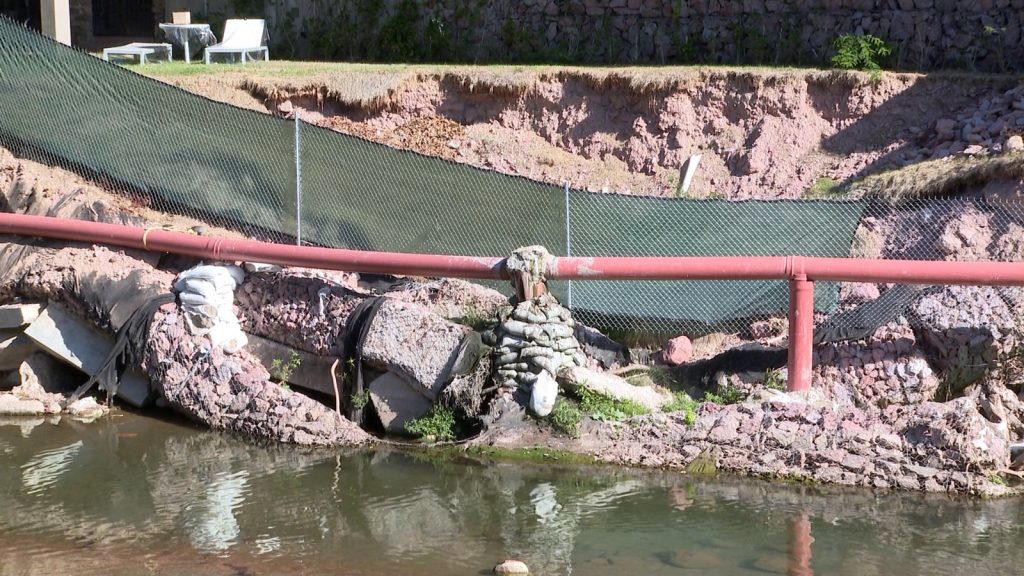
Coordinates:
(761, 134)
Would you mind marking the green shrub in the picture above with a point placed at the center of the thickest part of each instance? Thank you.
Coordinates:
(860, 52)
(438, 424)
(824, 187)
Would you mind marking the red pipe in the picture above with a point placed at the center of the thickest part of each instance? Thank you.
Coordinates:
(159, 240)
(801, 333)
(786, 267)
(801, 271)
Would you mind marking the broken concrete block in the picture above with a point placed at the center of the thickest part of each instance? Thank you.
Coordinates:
(397, 402)
(14, 348)
(18, 315)
(613, 387)
(312, 373)
(84, 346)
(11, 405)
(412, 341)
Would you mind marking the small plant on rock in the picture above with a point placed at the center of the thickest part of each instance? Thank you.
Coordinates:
(682, 402)
(774, 380)
(725, 396)
(282, 371)
(360, 400)
(437, 425)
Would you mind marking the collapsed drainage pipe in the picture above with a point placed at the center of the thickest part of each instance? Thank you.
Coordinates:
(801, 272)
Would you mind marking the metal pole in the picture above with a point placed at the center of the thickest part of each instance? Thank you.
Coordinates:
(568, 242)
(298, 180)
(801, 332)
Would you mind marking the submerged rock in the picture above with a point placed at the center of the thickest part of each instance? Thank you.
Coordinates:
(511, 567)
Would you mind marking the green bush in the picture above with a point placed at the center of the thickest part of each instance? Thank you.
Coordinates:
(438, 424)
(860, 52)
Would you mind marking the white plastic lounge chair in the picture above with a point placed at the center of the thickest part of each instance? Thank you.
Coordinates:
(141, 49)
(241, 37)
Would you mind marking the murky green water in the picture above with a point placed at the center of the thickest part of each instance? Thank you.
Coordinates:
(134, 495)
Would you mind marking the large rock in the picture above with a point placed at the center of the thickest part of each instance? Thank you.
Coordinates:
(411, 341)
(397, 402)
(11, 405)
(677, 351)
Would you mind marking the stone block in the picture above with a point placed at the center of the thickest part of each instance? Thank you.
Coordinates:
(397, 402)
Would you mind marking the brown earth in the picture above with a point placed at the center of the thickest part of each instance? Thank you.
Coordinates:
(761, 134)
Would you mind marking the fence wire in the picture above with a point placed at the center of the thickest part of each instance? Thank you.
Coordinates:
(264, 175)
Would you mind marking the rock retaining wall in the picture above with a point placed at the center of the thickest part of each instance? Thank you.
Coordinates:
(926, 34)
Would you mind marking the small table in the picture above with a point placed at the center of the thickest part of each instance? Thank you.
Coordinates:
(187, 35)
(140, 49)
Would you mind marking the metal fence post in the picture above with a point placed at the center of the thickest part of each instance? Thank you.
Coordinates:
(568, 242)
(298, 180)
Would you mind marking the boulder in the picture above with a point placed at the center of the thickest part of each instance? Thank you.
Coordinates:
(1014, 143)
(397, 402)
(411, 341)
(511, 567)
(677, 351)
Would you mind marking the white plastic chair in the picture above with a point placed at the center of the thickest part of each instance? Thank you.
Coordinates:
(241, 37)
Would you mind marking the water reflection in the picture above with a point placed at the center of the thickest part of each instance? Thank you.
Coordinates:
(105, 497)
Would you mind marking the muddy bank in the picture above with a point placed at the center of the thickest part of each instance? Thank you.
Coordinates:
(761, 134)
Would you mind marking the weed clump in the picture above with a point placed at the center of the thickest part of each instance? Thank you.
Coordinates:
(438, 425)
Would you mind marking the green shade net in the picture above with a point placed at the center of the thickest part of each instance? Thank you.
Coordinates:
(235, 167)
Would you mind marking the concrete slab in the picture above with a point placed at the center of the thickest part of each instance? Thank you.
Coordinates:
(313, 372)
(84, 346)
(15, 347)
(18, 315)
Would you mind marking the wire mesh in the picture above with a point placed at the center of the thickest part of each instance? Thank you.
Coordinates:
(240, 169)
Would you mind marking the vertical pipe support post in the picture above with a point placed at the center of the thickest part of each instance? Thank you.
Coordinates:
(801, 332)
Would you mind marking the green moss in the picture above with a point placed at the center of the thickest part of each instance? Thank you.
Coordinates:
(532, 454)
(438, 425)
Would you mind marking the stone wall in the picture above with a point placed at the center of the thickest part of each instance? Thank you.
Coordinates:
(926, 34)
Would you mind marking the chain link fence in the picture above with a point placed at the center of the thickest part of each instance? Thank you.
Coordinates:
(286, 181)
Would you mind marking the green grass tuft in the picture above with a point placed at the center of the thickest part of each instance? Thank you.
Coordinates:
(682, 402)
(566, 417)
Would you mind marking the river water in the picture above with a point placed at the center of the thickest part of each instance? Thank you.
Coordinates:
(138, 495)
